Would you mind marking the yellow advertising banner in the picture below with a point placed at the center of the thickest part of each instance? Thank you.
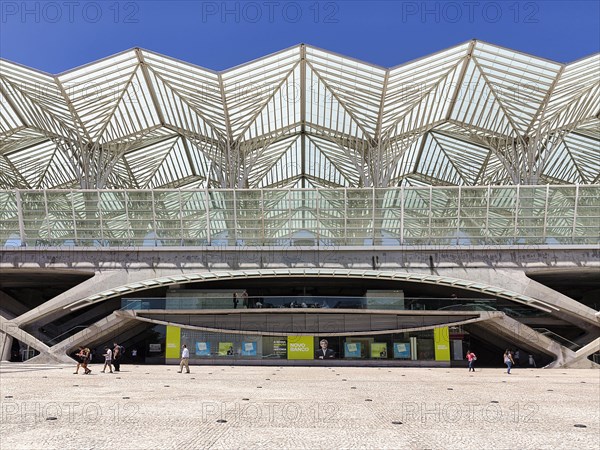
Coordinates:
(173, 342)
(301, 347)
(441, 339)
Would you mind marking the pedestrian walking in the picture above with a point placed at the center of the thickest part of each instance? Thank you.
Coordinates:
(471, 357)
(117, 355)
(508, 360)
(80, 358)
(185, 359)
(107, 359)
(84, 359)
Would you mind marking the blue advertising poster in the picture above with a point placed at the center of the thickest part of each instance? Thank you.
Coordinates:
(248, 348)
(352, 350)
(203, 348)
(402, 350)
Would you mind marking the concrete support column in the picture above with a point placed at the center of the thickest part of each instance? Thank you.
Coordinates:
(10, 328)
(5, 346)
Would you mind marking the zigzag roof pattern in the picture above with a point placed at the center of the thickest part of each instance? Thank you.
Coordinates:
(473, 114)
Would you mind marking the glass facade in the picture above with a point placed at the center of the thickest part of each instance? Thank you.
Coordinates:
(409, 346)
(508, 215)
(159, 344)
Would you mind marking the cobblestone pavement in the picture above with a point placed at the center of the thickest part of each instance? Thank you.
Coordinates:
(216, 407)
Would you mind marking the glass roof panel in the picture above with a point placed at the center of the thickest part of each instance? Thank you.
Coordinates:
(473, 114)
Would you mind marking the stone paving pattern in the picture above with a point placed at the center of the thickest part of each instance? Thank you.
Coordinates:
(154, 407)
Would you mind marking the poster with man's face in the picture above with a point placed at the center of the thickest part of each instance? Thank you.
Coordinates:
(324, 352)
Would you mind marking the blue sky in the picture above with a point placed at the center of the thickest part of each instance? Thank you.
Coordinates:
(59, 35)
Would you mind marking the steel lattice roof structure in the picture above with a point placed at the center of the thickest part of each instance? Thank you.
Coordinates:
(474, 114)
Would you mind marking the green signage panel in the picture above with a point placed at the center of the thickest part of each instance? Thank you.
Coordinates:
(173, 342)
(301, 347)
(441, 339)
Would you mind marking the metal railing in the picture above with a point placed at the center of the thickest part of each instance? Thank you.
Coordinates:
(558, 338)
(69, 332)
(481, 215)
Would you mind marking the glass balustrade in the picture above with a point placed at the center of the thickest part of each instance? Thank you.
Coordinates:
(330, 302)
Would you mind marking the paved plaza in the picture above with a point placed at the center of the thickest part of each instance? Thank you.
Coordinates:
(224, 407)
